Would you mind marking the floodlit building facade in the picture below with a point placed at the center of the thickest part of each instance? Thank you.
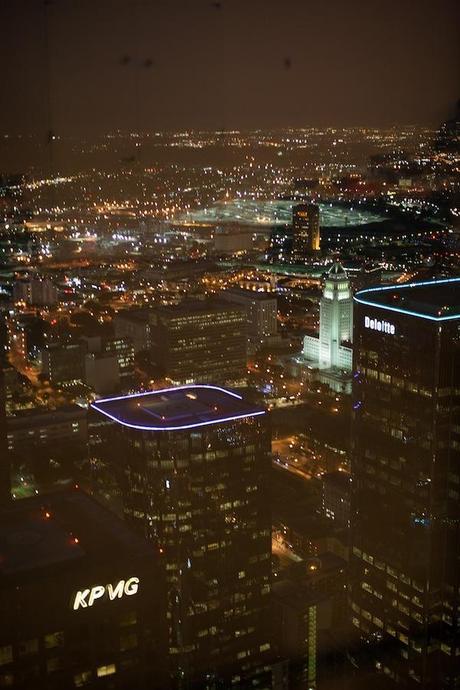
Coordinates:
(327, 358)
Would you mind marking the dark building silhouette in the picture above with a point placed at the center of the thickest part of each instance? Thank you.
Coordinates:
(5, 479)
(305, 231)
(405, 507)
(63, 363)
(194, 463)
(336, 497)
(82, 598)
(448, 136)
(134, 325)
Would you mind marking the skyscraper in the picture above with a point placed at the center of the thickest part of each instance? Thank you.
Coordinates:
(331, 350)
(194, 462)
(5, 480)
(200, 342)
(305, 231)
(63, 363)
(261, 314)
(405, 514)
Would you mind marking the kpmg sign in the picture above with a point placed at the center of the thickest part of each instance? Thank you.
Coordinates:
(86, 597)
(381, 326)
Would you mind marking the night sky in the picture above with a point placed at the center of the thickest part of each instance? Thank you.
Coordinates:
(91, 66)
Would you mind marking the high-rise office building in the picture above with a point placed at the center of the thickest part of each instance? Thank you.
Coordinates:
(108, 363)
(305, 231)
(28, 335)
(63, 429)
(261, 314)
(102, 373)
(134, 324)
(336, 497)
(62, 363)
(5, 480)
(123, 350)
(82, 598)
(200, 342)
(193, 463)
(405, 499)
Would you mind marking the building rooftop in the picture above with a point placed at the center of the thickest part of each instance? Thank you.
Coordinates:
(337, 271)
(62, 529)
(173, 409)
(40, 416)
(337, 478)
(139, 315)
(436, 300)
(190, 307)
(254, 295)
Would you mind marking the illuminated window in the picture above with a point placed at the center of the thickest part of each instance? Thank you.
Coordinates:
(6, 680)
(128, 641)
(106, 670)
(130, 618)
(55, 639)
(82, 679)
(6, 654)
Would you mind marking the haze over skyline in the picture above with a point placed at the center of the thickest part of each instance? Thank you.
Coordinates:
(229, 64)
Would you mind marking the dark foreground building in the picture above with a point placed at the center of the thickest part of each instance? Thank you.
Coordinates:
(5, 479)
(194, 462)
(81, 598)
(405, 519)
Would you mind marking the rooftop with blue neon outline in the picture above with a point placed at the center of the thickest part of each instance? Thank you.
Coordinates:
(435, 300)
(174, 409)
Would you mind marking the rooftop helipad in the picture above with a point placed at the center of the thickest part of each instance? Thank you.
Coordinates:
(174, 409)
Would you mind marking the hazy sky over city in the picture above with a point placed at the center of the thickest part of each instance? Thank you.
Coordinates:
(89, 66)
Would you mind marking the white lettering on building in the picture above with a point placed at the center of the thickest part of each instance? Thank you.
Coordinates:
(381, 326)
(86, 597)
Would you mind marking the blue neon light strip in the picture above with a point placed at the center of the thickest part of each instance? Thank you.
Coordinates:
(192, 387)
(409, 312)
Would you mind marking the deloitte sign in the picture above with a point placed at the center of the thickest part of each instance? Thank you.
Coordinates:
(381, 326)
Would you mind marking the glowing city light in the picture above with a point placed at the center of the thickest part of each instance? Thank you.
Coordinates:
(148, 427)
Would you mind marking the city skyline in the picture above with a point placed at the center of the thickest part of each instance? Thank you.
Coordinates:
(229, 345)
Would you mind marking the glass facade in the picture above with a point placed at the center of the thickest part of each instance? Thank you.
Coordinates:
(201, 342)
(404, 582)
(200, 495)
